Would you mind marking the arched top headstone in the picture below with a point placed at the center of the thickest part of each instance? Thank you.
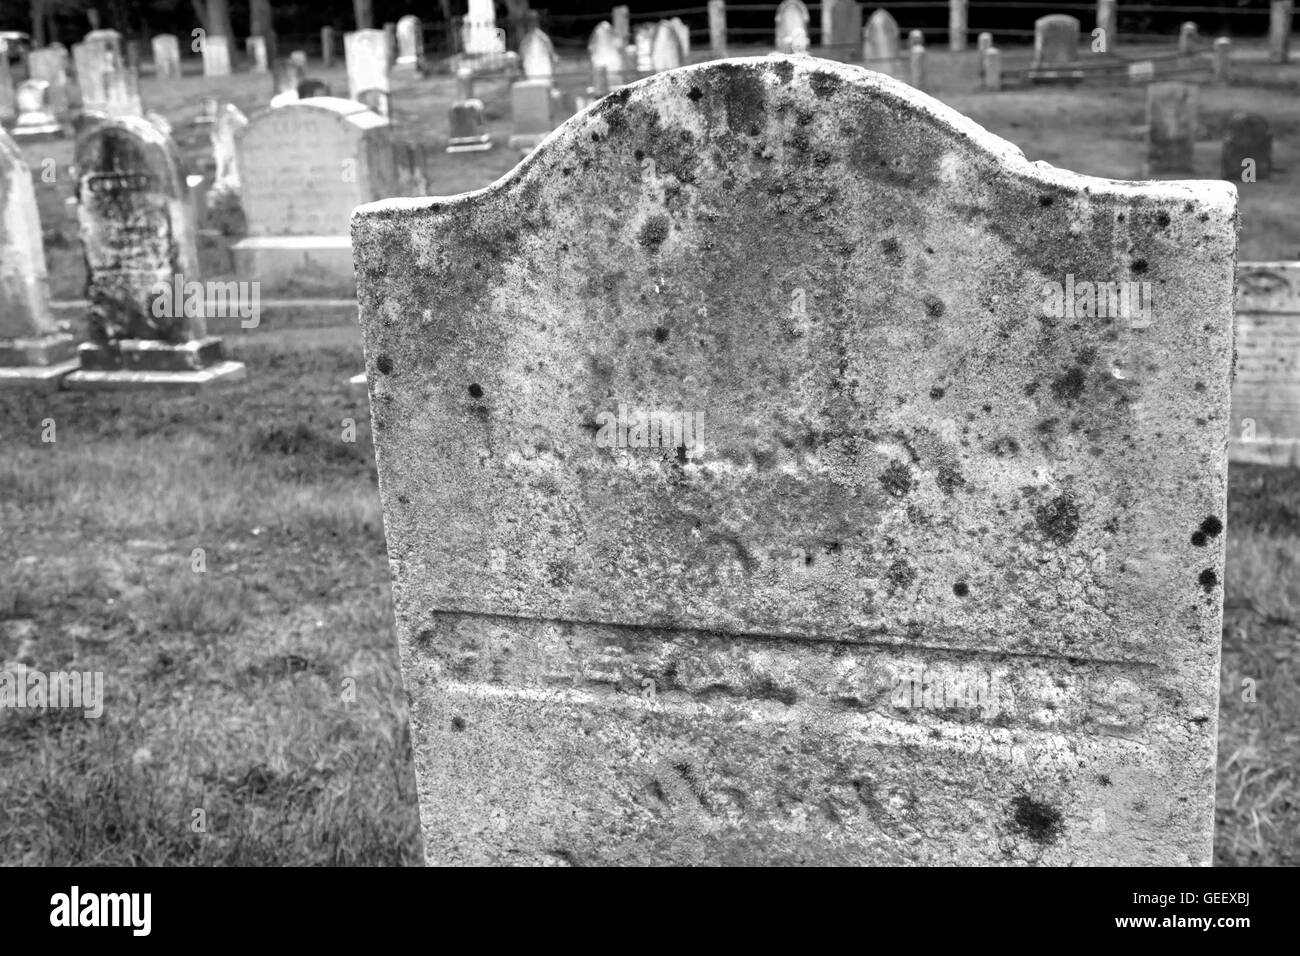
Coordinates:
(769, 356)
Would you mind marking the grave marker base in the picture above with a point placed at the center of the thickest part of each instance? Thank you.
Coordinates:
(312, 265)
(469, 144)
(38, 351)
(94, 380)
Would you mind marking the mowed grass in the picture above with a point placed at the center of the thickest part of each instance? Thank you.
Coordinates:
(265, 691)
(220, 559)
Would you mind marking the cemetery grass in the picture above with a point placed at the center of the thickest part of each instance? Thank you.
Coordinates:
(226, 689)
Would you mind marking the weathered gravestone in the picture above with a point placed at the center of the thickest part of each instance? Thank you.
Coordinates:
(366, 53)
(622, 17)
(35, 117)
(1108, 24)
(34, 354)
(841, 25)
(880, 40)
(51, 65)
(303, 168)
(705, 553)
(1171, 127)
(530, 112)
(215, 51)
(1056, 48)
(286, 77)
(683, 36)
(1247, 149)
(137, 230)
(1266, 387)
(468, 131)
(93, 60)
(606, 53)
(791, 20)
(537, 55)
(122, 93)
(166, 56)
(410, 46)
(666, 49)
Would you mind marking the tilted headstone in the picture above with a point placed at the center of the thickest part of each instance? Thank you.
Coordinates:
(410, 46)
(1266, 387)
(166, 56)
(215, 51)
(34, 354)
(1279, 30)
(137, 230)
(718, 27)
(705, 553)
(666, 50)
(880, 39)
(367, 61)
(841, 25)
(1056, 48)
(468, 131)
(303, 167)
(606, 52)
(537, 55)
(530, 112)
(256, 49)
(1247, 149)
(35, 116)
(51, 65)
(1171, 127)
(791, 19)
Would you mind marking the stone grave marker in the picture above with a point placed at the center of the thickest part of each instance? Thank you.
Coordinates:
(644, 42)
(1247, 149)
(1108, 23)
(683, 36)
(468, 131)
(1281, 13)
(137, 230)
(122, 93)
(327, 46)
(841, 26)
(366, 53)
(225, 151)
(166, 56)
(410, 46)
(303, 167)
(622, 19)
(957, 25)
(666, 50)
(792, 19)
(93, 60)
(215, 51)
(286, 78)
(1056, 48)
(880, 40)
(1171, 127)
(606, 52)
(35, 117)
(530, 111)
(34, 354)
(1266, 387)
(537, 55)
(298, 58)
(50, 64)
(704, 553)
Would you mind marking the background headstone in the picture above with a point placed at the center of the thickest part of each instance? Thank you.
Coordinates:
(957, 22)
(35, 116)
(791, 19)
(622, 20)
(841, 25)
(689, 650)
(1266, 387)
(1108, 21)
(1056, 47)
(666, 50)
(718, 27)
(51, 65)
(166, 56)
(216, 55)
(530, 111)
(1171, 127)
(410, 46)
(880, 39)
(468, 131)
(366, 53)
(1279, 30)
(606, 52)
(257, 52)
(93, 61)
(537, 55)
(1247, 137)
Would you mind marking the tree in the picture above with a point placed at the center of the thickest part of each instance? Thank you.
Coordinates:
(365, 14)
(261, 23)
(215, 17)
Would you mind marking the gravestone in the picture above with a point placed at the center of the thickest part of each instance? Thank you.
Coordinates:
(256, 49)
(984, 42)
(704, 553)
(166, 56)
(479, 29)
(841, 26)
(537, 55)
(390, 42)
(122, 93)
(366, 53)
(215, 51)
(34, 354)
(1266, 388)
(991, 68)
(35, 117)
(137, 230)
(51, 65)
(225, 151)
(1247, 149)
(299, 59)
(1171, 127)
(530, 112)
(468, 131)
(666, 49)
(683, 37)
(109, 40)
(880, 40)
(791, 20)
(1222, 62)
(717, 10)
(644, 46)
(1056, 49)
(286, 77)
(410, 46)
(303, 167)
(622, 19)
(93, 60)
(606, 52)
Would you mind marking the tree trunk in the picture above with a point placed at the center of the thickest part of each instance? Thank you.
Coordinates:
(219, 20)
(261, 23)
(38, 12)
(365, 14)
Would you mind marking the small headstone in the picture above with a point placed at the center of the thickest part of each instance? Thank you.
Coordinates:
(645, 41)
(530, 112)
(1222, 59)
(299, 59)
(984, 42)
(666, 49)
(51, 65)
(366, 53)
(1266, 385)
(880, 39)
(1171, 127)
(468, 132)
(390, 42)
(695, 542)
(537, 55)
(313, 87)
(1188, 38)
(791, 18)
(916, 65)
(35, 118)
(718, 27)
(286, 77)
(34, 354)
(1056, 48)
(915, 38)
(166, 56)
(841, 26)
(991, 68)
(216, 55)
(137, 230)
(303, 167)
(410, 46)
(1247, 149)
(8, 105)
(207, 114)
(606, 52)
(256, 49)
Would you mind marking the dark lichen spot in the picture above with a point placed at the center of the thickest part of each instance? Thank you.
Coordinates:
(1058, 520)
(934, 306)
(936, 392)
(949, 478)
(1198, 538)
(1039, 822)
(384, 365)
(1139, 266)
(424, 638)
(893, 252)
(1069, 386)
(900, 574)
(897, 479)
(1031, 388)
(638, 155)
(458, 724)
(1005, 448)
(695, 94)
(1104, 780)
(1212, 526)
(961, 589)
(1045, 201)
(1208, 579)
(1162, 219)
(661, 334)
(476, 390)
(654, 232)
